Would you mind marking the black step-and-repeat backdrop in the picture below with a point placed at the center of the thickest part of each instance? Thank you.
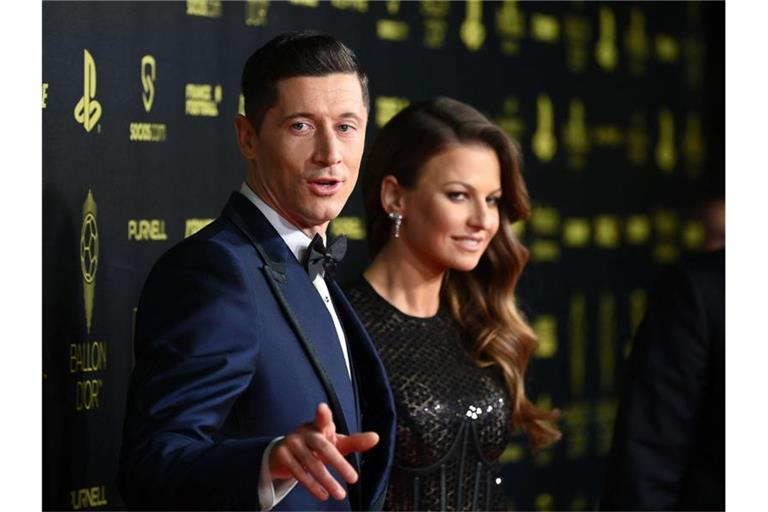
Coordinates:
(619, 108)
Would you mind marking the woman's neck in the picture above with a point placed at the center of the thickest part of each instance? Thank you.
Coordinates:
(405, 281)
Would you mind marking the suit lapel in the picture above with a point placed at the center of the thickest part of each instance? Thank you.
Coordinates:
(302, 306)
(352, 331)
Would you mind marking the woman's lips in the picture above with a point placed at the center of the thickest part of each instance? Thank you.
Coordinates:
(469, 243)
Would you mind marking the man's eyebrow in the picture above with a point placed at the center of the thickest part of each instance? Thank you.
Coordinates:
(309, 115)
(351, 115)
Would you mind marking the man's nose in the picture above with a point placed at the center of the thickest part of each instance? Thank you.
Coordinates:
(327, 148)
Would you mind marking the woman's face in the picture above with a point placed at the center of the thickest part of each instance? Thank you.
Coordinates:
(452, 213)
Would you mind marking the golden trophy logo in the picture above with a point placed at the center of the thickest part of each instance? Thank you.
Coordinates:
(665, 147)
(88, 110)
(89, 255)
(544, 142)
(606, 51)
(472, 31)
(148, 77)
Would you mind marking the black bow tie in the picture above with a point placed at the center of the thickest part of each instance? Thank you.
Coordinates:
(319, 258)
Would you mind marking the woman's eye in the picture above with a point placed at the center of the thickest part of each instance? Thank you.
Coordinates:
(493, 201)
(456, 196)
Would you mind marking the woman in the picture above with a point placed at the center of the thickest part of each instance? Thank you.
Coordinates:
(441, 186)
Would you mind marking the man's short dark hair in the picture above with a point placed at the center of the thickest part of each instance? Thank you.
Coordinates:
(289, 55)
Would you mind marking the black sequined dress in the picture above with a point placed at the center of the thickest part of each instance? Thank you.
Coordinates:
(452, 416)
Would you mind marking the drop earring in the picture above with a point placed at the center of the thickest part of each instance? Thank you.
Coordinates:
(397, 219)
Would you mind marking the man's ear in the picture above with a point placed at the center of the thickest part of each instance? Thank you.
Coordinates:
(246, 137)
(392, 195)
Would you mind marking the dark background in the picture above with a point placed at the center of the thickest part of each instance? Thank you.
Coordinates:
(583, 294)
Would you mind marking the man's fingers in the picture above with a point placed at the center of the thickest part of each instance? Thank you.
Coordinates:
(295, 469)
(356, 442)
(305, 453)
(313, 465)
(331, 455)
(324, 418)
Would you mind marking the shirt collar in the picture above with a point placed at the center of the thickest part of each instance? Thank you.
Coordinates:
(296, 240)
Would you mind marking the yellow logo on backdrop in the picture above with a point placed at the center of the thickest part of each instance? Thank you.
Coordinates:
(148, 77)
(544, 141)
(205, 8)
(89, 255)
(387, 107)
(667, 48)
(577, 420)
(88, 109)
(392, 30)
(472, 31)
(203, 99)
(510, 25)
(45, 94)
(638, 229)
(578, 33)
(607, 135)
(352, 227)
(636, 42)
(140, 131)
(604, 414)
(435, 13)
(256, 12)
(89, 497)
(575, 134)
(665, 147)
(607, 231)
(511, 121)
(606, 51)
(693, 140)
(351, 5)
(545, 327)
(192, 226)
(147, 229)
(576, 232)
(545, 28)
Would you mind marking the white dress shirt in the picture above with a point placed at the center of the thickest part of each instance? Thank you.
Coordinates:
(272, 491)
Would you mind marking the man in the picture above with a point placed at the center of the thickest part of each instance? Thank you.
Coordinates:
(253, 378)
(668, 448)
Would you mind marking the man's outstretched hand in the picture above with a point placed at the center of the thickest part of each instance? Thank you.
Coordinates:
(304, 454)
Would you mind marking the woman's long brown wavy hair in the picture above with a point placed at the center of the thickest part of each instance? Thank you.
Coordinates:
(483, 300)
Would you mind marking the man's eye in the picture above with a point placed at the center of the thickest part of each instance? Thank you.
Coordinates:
(300, 127)
(346, 128)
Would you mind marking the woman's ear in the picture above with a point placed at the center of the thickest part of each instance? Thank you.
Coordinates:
(246, 137)
(391, 195)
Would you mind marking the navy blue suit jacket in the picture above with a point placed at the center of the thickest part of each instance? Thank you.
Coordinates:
(235, 347)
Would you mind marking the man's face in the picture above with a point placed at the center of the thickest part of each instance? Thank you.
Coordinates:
(308, 149)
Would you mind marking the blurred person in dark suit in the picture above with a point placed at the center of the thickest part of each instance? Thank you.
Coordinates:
(668, 448)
